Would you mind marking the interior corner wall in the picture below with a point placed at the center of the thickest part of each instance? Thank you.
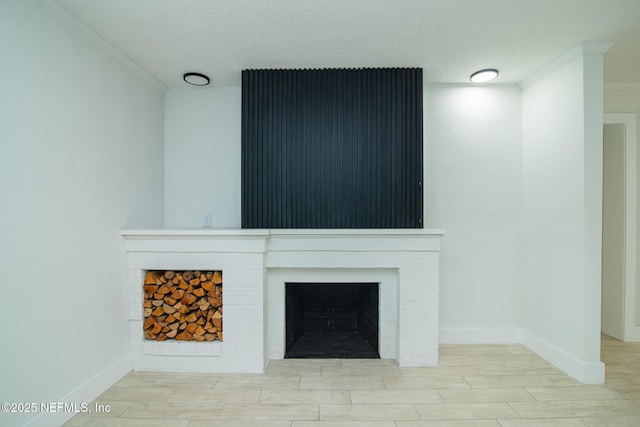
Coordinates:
(472, 191)
(202, 156)
(81, 156)
(561, 205)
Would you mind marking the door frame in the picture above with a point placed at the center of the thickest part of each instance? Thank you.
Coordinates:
(631, 328)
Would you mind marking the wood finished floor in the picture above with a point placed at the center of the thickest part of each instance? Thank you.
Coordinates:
(475, 385)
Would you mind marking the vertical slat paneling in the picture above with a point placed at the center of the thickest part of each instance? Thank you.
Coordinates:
(335, 148)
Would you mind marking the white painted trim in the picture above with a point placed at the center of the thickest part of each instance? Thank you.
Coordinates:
(576, 52)
(585, 372)
(631, 330)
(104, 45)
(86, 392)
(480, 335)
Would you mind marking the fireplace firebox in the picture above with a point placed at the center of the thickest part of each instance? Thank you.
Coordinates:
(337, 320)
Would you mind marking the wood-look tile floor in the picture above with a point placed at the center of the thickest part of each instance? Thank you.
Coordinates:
(475, 385)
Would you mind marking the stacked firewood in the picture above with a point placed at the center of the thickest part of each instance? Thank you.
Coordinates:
(183, 305)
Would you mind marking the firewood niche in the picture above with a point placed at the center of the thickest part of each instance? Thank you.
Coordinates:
(183, 305)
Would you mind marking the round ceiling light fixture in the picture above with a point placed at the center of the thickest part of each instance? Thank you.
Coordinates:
(196, 79)
(484, 76)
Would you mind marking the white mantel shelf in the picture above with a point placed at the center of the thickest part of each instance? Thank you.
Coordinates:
(257, 263)
(248, 232)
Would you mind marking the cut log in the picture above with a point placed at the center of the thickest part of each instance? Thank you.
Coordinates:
(151, 277)
(148, 323)
(217, 320)
(150, 288)
(217, 277)
(184, 336)
(177, 294)
(188, 299)
(168, 309)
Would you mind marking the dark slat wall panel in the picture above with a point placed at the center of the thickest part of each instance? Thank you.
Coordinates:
(335, 148)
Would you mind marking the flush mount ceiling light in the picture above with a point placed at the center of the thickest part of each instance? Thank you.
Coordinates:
(196, 79)
(484, 76)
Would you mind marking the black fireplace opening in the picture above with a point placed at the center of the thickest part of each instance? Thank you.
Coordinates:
(337, 320)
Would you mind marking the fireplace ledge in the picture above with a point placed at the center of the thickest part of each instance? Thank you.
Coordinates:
(251, 232)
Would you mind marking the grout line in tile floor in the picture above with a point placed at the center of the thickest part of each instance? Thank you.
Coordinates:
(503, 385)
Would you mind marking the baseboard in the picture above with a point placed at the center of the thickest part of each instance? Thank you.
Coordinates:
(479, 335)
(632, 334)
(585, 372)
(85, 392)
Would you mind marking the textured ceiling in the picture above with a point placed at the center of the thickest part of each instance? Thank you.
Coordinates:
(449, 39)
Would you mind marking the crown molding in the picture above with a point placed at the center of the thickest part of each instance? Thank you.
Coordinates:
(104, 45)
(586, 48)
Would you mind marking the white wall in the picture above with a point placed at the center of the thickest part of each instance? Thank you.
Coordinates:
(472, 190)
(562, 206)
(202, 155)
(81, 156)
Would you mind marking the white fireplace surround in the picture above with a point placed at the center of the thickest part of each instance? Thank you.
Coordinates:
(256, 265)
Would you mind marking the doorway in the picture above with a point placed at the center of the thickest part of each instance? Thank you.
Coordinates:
(620, 309)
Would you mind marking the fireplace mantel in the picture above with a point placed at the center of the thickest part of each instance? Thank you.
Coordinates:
(155, 233)
(256, 263)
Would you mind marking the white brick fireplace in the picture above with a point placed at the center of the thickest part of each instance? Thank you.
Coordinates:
(256, 265)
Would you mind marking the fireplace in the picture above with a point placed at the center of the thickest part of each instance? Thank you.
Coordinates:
(331, 320)
(398, 266)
